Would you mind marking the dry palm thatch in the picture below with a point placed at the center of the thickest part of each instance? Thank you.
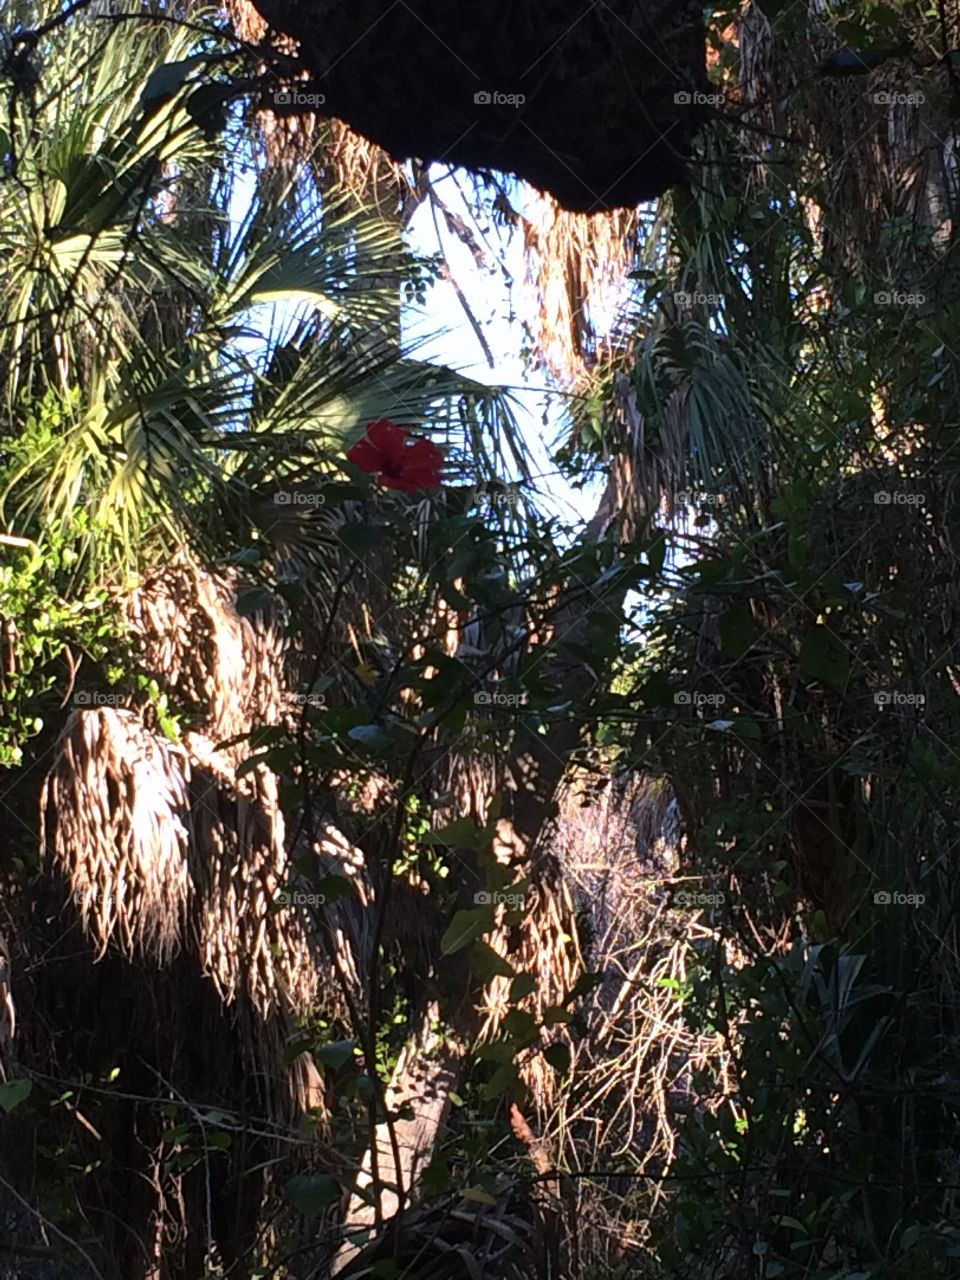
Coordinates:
(576, 267)
(338, 157)
(632, 1068)
(546, 947)
(227, 669)
(164, 848)
(117, 797)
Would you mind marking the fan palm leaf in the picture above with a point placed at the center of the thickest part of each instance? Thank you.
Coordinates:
(159, 317)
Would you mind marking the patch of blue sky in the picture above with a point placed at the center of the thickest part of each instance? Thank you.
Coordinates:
(445, 335)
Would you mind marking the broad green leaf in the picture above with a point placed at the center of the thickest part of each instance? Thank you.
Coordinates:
(167, 80)
(479, 1195)
(558, 1055)
(824, 657)
(311, 1193)
(372, 737)
(254, 601)
(523, 985)
(464, 928)
(736, 630)
(502, 1080)
(13, 1092)
(335, 1055)
(487, 963)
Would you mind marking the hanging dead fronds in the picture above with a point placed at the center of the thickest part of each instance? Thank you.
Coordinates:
(336, 155)
(633, 1068)
(250, 943)
(165, 848)
(249, 25)
(545, 946)
(229, 670)
(576, 267)
(115, 816)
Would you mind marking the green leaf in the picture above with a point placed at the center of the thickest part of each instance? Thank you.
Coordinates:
(586, 983)
(479, 1195)
(247, 555)
(487, 963)
(656, 691)
(502, 1080)
(747, 728)
(464, 928)
(13, 1092)
(736, 630)
(520, 1027)
(206, 107)
(786, 1221)
(523, 985)
(372, 737)
(558, 1055)
(256, 600)
(500, 1051)
(824, 657)
(311, 1193)
(335, 1055)
(167, 80)
(334, 888)
(463, 834)
(555, 1015)
(360, 538)
(435, 1179)
(293, 1050)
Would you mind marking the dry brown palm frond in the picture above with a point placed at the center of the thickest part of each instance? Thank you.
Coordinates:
(114, 814)
(165, 848)
(576, 266)
(229, 669)
(336, 155)
(248, 23)
(239, 866)
(633, 1068)
(545, 946)
(360, 167)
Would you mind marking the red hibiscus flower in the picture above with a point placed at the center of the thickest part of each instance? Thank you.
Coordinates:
(384, 452)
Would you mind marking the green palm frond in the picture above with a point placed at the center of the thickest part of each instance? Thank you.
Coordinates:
(194, 356)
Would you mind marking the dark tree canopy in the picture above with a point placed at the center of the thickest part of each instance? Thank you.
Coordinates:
(609, 92)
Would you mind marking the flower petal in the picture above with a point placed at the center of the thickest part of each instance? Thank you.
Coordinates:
(390, 440)
(366, 456)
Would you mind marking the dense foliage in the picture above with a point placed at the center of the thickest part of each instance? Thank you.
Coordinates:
(584, 896)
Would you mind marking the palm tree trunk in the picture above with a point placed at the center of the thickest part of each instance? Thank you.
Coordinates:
(426, 1073)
